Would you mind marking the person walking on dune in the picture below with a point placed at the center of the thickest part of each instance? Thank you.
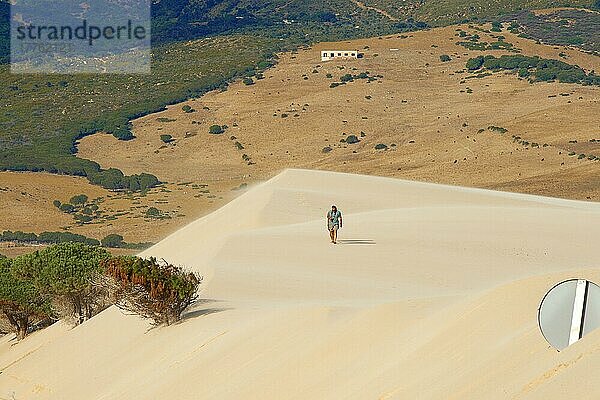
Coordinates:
(334, 222)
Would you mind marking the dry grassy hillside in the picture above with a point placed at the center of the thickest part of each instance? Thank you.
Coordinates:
(429, 115)
(432, 116)
(27, 200)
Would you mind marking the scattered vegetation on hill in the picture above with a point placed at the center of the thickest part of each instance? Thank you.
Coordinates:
(85, 211)
(82, 210)
(36, 137)
(305, 21)
(347, 78)
(244, 35)
(472, 42)
(447, 12)
(216, 129)
(438, 13)
(577, 28)
(535, 69)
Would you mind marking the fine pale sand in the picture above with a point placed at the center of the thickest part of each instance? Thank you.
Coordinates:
(432, 293)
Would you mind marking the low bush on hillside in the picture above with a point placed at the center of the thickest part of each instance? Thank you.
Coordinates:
(347, 78)
(216, 130)
(188, 109)
(157, 291)
(352, 139)
(113, 241)
(79, 199)
(166, 138)
(497, 129)
(445, 58)
(153, 212)
(475, 63)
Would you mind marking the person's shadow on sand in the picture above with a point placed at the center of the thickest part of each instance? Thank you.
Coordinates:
(357, 241)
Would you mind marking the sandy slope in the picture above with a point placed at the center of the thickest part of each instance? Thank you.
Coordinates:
(432, 294)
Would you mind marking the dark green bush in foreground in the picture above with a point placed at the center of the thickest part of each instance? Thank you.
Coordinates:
(65, 274)
(21, 303)
(75, 282)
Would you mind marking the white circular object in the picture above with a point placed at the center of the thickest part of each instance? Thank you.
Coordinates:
(569, 311)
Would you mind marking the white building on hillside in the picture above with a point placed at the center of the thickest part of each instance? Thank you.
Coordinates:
(328, 55)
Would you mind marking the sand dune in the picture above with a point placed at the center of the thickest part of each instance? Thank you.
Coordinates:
(432, 293)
